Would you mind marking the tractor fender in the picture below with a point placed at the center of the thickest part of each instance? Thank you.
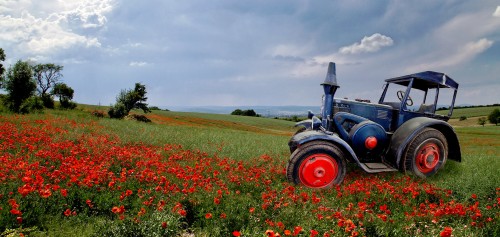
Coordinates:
(307, 124)
(411, 128)
(310, 124)
(308, 136)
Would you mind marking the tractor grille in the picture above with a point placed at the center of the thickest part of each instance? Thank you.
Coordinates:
(382, 114)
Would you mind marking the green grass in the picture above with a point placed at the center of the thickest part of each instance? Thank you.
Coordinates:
(248, 138)
(470, 112)
(478, 171)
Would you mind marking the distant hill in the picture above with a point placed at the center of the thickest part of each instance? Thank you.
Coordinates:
(265, 111)
(301, 111)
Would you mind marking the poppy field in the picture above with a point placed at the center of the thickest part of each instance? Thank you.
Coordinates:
(70, 174)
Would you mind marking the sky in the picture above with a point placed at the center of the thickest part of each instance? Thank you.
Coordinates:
(244, 53)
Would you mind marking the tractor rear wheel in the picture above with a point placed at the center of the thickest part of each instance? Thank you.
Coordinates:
(427, 153)
(317, 165)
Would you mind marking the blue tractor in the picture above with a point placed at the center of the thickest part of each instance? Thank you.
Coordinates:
(402, 132)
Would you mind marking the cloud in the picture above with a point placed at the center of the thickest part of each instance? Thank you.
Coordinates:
(368, 44)
(469, 51)
(463, 54)
(497, 12)
(53, 29)
(137, 64)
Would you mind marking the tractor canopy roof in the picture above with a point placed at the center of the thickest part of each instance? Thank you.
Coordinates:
(425, 80)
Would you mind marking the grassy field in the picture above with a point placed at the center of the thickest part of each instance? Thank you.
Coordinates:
(470, 112)
(66, 173)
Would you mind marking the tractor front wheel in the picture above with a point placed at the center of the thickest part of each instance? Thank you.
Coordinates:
(317, 165)
(427, 153)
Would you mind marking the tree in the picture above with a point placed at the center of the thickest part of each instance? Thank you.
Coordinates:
(481, 121)
(237, 112)
(46, 77)
(19, 85)
(65, 94)
(128, 100)
(249, 112)
(494, 116)
(2, 69)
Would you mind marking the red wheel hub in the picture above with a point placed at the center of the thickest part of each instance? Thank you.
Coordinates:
(318, 171)
(427, 158)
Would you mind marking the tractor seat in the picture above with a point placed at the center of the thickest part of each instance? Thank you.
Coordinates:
(426, 109)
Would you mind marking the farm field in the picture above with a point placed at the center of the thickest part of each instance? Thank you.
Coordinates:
(470, 112)
(67, 173)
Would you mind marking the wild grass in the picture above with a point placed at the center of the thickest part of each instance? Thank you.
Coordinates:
(258, 146)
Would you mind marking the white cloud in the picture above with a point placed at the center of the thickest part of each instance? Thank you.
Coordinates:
(497, 12)
(469, 51)
(137, 64)
(461, 55)
(36, 30)
(369, 44)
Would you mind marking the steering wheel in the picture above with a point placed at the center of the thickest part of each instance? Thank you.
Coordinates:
(401, 95)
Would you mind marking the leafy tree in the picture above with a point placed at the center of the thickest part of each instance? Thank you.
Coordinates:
(20, 86)
(249, 112)
(65, 94)
(2, 58)
(128, 100)
(237, 112)
(481, 121)
(494, 116)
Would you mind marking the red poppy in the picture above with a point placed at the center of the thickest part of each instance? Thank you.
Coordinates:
(236, 233)
(446, 232)
(15, 212)
(269, 233)
(208, 215)
(67, 212)
(297, 230)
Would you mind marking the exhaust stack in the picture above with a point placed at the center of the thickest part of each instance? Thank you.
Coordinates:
(330, 87)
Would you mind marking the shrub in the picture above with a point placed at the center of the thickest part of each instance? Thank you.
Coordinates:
(47, 101)
(138, 117)
(67, 104)
(117, 111)
(481, 121)
(462, 118)
(494, 116)
(97, 113)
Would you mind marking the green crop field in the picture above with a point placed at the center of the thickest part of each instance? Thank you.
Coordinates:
(470, 112)
(67, 173)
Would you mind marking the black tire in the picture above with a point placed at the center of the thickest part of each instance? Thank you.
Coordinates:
(317, 165)
(420, 156)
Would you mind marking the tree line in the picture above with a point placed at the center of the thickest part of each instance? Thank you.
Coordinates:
(32, 86)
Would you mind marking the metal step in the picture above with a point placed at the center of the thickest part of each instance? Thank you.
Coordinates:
(376, 167)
